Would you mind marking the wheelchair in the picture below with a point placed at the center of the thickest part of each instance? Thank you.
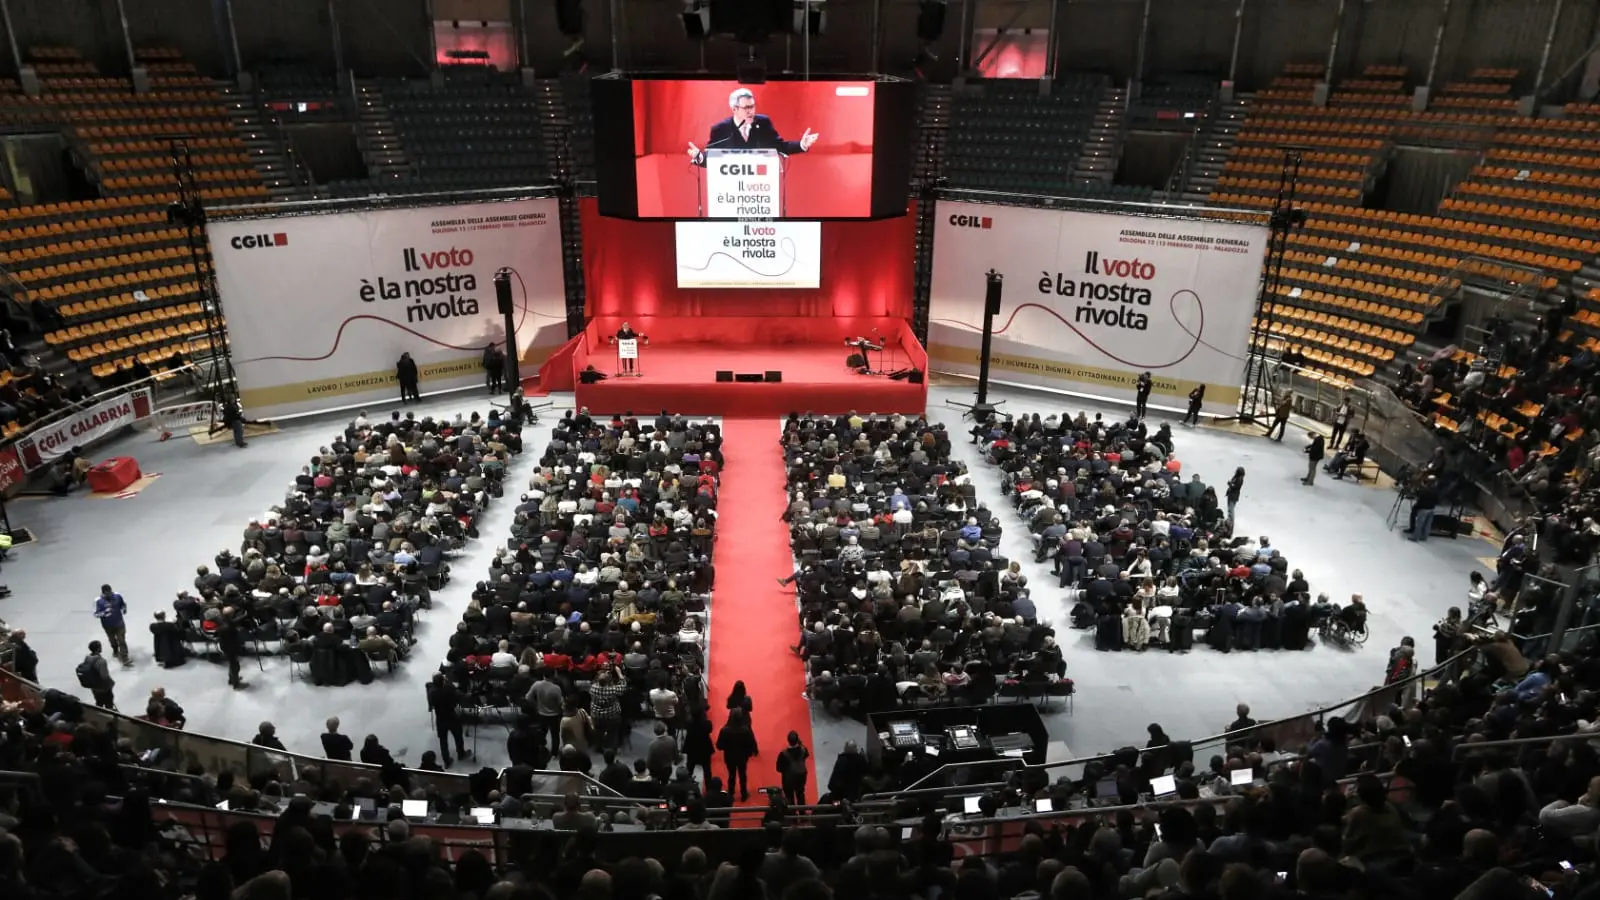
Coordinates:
(1338, 629)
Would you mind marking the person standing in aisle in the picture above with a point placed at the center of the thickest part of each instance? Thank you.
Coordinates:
(1341, 421)
(111, 610)
(94, 674)
(445, 704)
(1235, 488)
(494, 369)
(1141, 394)
(1196, 398)
(1314, 454)
(737, 743)
(230, 640)
(792, 770)
(1280, 416)
(406, 371)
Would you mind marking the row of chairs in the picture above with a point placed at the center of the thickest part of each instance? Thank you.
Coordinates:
(1516, 212)
(1406, 302)
(152, 337)
(1322, 348)
(241, 177)
(1441, 234)
(1382, 340)
(164, 294)
(114, 326)
(100, 286)
(1270, 186)
(43, 276)
(1313, 173)
(154, 356)
(144, 236)
(154, 161)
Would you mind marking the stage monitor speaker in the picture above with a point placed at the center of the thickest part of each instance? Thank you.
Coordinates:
(748, 378)
(724, 375)
(774, 376)
(502, 293)
(916, 376)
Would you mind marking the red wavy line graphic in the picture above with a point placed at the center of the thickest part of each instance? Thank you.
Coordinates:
(1172, 303)
(339, 336)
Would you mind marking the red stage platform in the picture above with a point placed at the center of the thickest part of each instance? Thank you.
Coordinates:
(682, 378)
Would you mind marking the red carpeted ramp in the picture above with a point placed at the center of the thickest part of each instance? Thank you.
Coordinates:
(754, 623)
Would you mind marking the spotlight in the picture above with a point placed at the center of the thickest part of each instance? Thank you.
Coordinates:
(814, 21)
(696, 19)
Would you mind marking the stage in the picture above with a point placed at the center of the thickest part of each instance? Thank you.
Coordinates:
(682, 378)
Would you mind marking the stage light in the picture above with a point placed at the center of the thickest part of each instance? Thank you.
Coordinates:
(696, 19)
(930, 19)
(818, 16)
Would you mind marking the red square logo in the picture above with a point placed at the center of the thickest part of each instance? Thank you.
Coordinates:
(279, 239)
(988, 222)
(761, 169)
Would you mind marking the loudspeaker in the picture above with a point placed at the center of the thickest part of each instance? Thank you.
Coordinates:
(724, 375)
(748, 378)
(774, 376)
(930, 20)
(569, 17)
(915, 377)
(991, 297)
(697, 22)
(502, 292)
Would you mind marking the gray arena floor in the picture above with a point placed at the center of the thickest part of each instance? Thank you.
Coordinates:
(147, 547)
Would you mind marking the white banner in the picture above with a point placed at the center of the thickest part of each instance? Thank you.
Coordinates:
(749, 254)
(320, 308)
(1090, 300)
(744, 184)
(44, 445)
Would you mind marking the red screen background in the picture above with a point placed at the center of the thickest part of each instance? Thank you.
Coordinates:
(832, 180)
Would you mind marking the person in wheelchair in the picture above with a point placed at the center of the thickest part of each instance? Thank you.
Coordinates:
(1353, 616)
(1353, 453)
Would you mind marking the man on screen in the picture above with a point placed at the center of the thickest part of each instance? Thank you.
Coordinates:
(747, 130)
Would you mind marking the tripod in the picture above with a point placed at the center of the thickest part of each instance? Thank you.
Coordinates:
(1400, 502)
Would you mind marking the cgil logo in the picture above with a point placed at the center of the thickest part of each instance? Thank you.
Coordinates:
(257, 241)
(438, 259)
(742, 169)
(972, 221)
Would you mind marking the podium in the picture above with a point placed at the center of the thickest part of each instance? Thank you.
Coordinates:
(744, 184)
(628, 356)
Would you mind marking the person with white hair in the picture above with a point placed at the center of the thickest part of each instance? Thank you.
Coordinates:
(746, 129)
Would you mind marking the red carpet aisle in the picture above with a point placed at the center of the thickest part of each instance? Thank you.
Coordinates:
(753, 621)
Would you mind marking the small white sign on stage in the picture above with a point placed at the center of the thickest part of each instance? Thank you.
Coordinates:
(628, 348)
(744, 184)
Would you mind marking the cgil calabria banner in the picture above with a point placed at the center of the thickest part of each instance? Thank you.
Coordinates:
(1090, 300)
(321, 307)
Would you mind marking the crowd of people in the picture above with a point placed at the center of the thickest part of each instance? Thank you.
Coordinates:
(1527, 422)
(591, 618)
(335, 574)
(1147, 557)
(905, 596)
(1421, 800)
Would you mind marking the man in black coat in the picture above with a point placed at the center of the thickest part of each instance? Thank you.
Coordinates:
(231, 642)
(406, 372)
(444, 703)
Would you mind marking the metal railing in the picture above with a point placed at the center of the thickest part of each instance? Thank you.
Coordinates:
(1292, 735)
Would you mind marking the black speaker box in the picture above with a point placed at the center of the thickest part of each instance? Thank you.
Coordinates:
(502, 294)
(748, 377)
(915, 377)
(774, 376)
(724, 375)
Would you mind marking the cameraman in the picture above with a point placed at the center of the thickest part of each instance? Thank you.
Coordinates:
(1423, 508)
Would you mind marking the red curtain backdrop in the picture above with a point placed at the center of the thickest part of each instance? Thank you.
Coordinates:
(832, 180)
(630, 272)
